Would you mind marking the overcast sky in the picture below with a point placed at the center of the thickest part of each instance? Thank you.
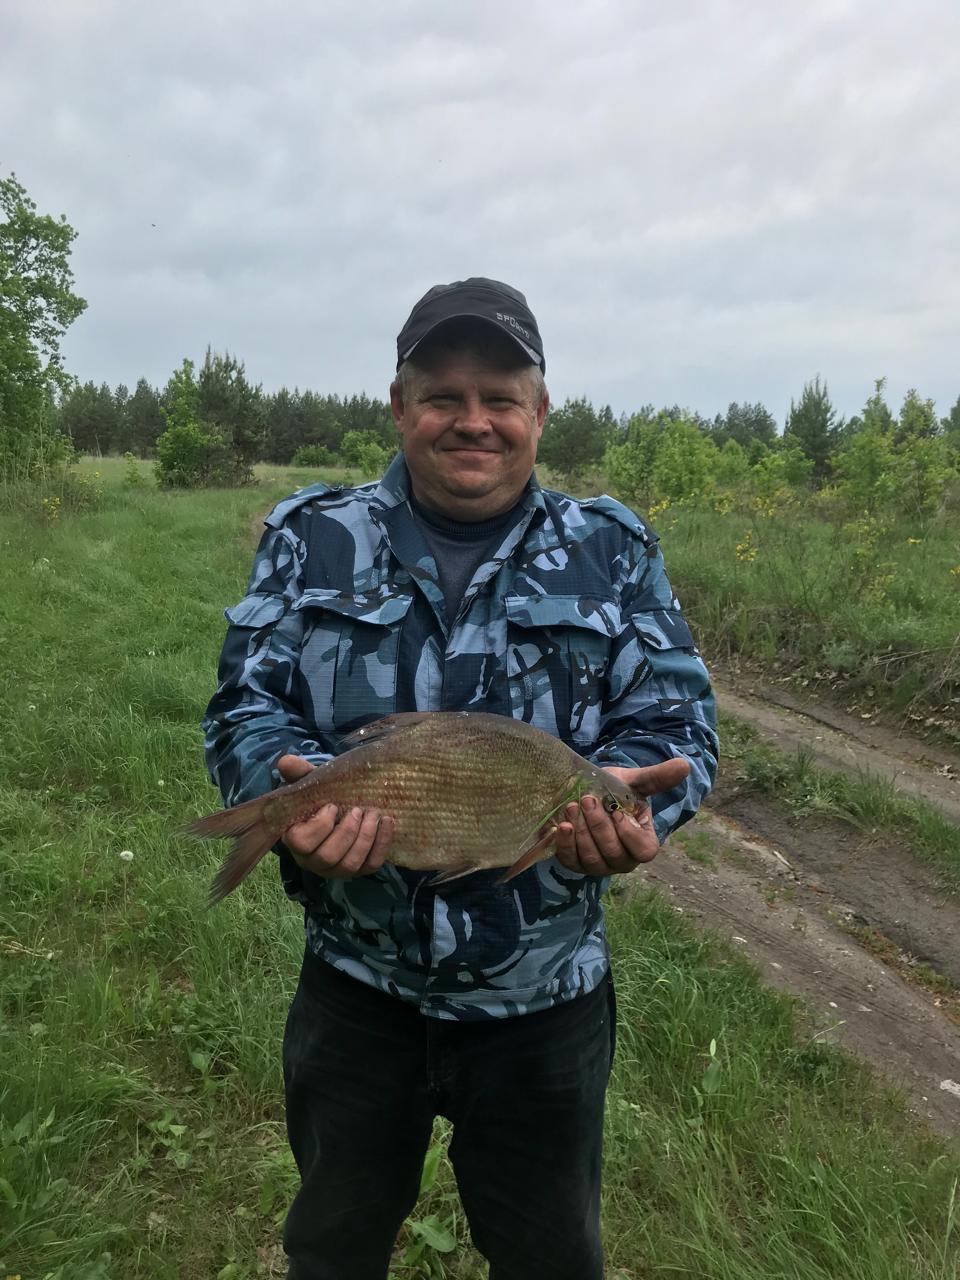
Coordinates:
(703, 202)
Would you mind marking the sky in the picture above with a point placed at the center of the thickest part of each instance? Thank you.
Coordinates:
(704, 201)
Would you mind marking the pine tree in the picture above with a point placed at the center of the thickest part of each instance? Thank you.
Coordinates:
(812, 425)
(228, 404)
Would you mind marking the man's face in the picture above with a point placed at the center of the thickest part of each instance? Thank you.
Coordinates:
(469, 428)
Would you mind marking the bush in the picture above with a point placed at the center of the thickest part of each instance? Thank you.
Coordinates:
(312, 455)
(784, 468)
(626, 466)
(364, 451)
(133, 477)
(190, 457)
(685, 463)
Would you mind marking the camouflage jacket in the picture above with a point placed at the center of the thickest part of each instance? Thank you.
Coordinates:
(572, 626)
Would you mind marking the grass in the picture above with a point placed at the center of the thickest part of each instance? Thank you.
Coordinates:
(868, 803)
(141, 1130)
(870, 608)
(874, 613)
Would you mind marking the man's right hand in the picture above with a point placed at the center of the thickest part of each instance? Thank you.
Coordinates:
(331, 846)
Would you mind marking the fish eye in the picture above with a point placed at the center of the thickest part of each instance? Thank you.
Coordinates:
(611, 804)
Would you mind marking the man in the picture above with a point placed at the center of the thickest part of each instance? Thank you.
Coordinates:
(457, 583)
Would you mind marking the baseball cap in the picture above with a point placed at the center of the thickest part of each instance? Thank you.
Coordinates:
(490, 300)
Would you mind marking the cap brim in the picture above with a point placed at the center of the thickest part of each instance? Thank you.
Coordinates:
(533, 356)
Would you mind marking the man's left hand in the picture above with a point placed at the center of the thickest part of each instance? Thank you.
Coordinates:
(597, 843)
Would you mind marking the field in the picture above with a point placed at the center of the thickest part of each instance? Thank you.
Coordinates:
(866, 608)
(141, 1130)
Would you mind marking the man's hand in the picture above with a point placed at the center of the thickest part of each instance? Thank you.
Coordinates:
(327, 845)
(597, 843)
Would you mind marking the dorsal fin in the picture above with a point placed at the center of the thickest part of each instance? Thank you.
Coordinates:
(377, 730)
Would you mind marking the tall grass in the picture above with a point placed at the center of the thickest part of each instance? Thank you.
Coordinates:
(834, 597)
(140, 1095)
(793, 584)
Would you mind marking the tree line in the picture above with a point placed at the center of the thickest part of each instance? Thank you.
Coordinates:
(210, 424)
(262, 427)
(274, 427)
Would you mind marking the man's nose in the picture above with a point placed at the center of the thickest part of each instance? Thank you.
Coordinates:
(472, 416)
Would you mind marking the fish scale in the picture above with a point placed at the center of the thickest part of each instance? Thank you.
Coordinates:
(466, 790)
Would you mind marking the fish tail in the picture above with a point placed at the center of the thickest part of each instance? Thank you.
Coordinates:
(254, 837)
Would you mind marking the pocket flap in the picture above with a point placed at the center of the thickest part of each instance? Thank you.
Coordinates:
(592, 612)
(663, 629)
(377, 608)
(256, 611)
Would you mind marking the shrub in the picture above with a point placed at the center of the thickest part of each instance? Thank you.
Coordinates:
(786, 467)
(364, 451)
(312, 455)
(133, 477)
(626, 466)
(191, 457)
(685, 462)
(866, 468)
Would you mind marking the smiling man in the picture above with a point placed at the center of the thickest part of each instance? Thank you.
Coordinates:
(457, 583)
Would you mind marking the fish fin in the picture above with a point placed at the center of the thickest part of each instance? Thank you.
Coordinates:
(535, 843)
(454, 872)
(529, 856)
(386, 725)
(254, 838)
(240, 861)
(228, 822)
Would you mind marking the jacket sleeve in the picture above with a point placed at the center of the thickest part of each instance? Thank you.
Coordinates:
(658, 702)
(256, 715)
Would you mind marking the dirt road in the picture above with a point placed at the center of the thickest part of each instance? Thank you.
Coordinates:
(799, 896)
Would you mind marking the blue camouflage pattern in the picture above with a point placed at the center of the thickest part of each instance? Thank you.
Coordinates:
(571, 625)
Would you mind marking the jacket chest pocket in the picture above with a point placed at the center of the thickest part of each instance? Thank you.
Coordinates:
(558, 651)
(348, 662)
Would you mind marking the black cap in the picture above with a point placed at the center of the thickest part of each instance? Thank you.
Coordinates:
(490, 300)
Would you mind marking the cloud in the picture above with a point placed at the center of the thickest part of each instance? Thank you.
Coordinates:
(702, 202)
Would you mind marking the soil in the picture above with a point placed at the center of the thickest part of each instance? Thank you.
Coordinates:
(856, 925)
(839, 741)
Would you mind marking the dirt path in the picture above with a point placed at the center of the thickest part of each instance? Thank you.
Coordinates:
(796, 894)
(843, 743)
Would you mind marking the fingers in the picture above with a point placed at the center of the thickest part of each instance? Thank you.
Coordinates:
(637, 834)
(656, 778)
(593, 842)
(291, 768)
(303, 838)
(354, 844)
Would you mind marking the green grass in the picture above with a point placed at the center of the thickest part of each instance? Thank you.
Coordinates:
(872, 608)
(880, 614)
(870, 804)
(141, 1129)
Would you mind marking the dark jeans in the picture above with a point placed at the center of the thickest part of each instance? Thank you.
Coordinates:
(365, 1075)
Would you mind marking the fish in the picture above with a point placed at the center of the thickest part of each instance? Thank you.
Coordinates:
(467, 791)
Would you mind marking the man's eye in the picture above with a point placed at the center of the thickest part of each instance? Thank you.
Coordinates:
(611, 804)
(501, 402)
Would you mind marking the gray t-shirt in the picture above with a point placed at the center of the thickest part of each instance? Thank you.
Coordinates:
(460, 548)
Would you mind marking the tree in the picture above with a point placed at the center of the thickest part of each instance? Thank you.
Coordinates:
(88, 415)
(189, 455)
(812, 426)
(284, 426)
(144, 420)
(575, 437)
(37, 304)
(744, 423)
(733, 465)
(950, 425)
(685, 463)
(918, 419)
(228, 405)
